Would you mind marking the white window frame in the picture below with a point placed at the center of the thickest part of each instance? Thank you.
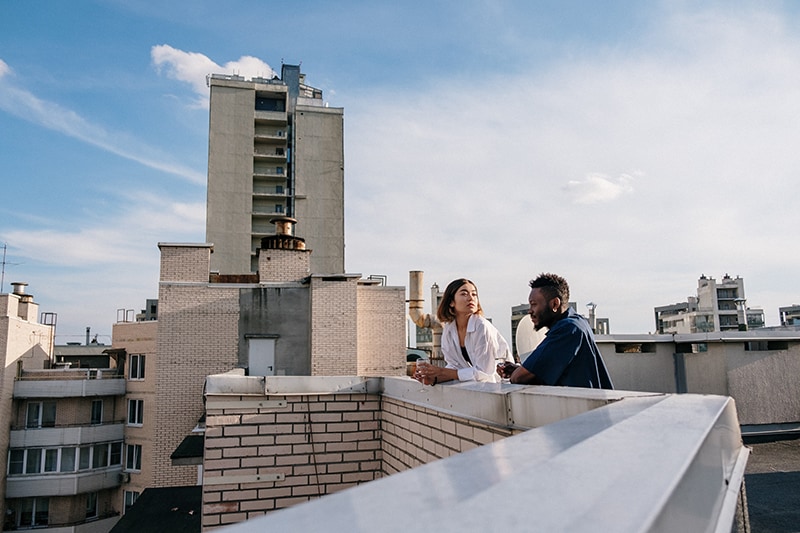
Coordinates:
(133, 457)
(129, 495)
(135, 413)
(39, 416)
(136, 370)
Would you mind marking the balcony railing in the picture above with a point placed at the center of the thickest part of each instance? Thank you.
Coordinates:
(73, 435)
(63, 484)
(69, 382)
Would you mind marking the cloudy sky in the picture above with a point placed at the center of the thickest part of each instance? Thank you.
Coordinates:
(630, 147)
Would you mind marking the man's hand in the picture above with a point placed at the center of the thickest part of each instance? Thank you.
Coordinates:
(506, 368)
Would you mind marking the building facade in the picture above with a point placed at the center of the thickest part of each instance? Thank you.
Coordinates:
(274, 149)
(718, 306)
(65, 414)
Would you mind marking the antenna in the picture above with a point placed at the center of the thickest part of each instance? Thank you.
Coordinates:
(3, 274)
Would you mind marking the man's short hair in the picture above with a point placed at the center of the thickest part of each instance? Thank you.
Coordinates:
(552, 285)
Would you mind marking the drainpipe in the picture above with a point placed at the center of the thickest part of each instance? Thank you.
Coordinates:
(421, 319)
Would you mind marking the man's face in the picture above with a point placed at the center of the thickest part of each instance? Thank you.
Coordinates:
(541, 310)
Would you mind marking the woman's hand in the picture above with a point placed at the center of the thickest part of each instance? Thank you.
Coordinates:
(424, 373)
(506, 368)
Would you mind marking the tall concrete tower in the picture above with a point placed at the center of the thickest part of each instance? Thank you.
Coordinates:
(274, 149)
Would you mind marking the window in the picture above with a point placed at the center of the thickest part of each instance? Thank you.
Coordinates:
(136, 370)
(85, 457)
(33, 461)
(116, 454)
(278, 208)
(100, 456)
(279, 171)
(130, 499)
(33, 512)
(135, 412)
(16, 461)
(133, 457)
(41, 415)
(97, 411)
(51, 460)
(68, 459)
(91, 505)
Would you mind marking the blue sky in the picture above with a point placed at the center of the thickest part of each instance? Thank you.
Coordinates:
(630, 146)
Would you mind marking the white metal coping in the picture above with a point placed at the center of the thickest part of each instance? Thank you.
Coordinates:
(634, 462)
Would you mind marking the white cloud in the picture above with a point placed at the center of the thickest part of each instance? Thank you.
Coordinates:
(598, 188)
(468, 179)
(193, 68)
(25, 105)
(4, 68)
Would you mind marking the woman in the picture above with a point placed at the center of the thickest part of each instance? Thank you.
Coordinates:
(472, 347)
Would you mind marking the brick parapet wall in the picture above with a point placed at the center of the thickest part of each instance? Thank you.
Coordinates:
(413, 435)
(320, 444)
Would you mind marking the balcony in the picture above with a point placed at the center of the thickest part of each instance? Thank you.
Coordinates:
(104, 523)
(63, 484)
(268, 156)
(270, 117)
(66, 436)
(69, 383)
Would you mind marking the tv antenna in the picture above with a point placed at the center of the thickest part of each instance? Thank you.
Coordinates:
(3, 274)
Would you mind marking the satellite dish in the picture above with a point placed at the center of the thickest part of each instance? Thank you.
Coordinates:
(527, 338)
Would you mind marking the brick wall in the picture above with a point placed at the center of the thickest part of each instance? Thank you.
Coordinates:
(197, 336)
(413, 435)
(283, 265)
(333, 326)
(183, 262)
(320, 444)
(381, 331)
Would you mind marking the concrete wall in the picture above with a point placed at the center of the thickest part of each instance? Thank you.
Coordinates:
(282, 312)
(230, 175)
(762, 382)
(318, 136)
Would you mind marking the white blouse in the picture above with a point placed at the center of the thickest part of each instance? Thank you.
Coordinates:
(485, 347)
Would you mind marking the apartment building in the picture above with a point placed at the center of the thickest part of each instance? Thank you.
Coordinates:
(274, 148)
(719, 306)
(64, 445)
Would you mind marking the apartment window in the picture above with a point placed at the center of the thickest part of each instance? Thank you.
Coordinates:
(279, 171)
(16, 462)
(135, 412)
(130, 499)
(91, 505)
(133, 457)
(41, 415)
(33, 461)
(68, 459)
(97, 411)
(33, 512)
(100, 456)
(51, 460)
(85, 457)
(279, 189)
(136, 370)
(278, 208)
(116, 454)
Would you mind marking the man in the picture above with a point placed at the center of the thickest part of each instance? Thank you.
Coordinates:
(568, 356)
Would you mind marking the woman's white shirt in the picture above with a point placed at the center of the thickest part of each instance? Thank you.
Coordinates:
(485, 347)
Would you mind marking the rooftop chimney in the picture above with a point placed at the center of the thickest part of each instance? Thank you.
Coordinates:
(283, 238)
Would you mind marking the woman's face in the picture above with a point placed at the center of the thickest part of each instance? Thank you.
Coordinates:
(465, 300)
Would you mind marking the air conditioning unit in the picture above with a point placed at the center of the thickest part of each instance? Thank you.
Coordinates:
(124, 477)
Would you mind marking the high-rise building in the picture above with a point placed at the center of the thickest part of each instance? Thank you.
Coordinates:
(718, 306)
(274, 149)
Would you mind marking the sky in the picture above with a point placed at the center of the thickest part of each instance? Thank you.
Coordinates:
(629, 146)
